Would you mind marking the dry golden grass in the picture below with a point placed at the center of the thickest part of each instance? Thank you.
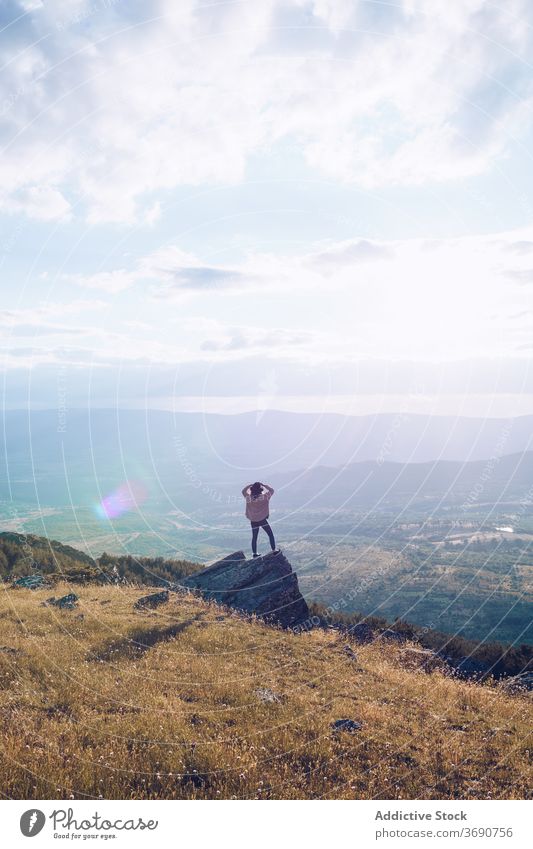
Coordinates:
(86, 712)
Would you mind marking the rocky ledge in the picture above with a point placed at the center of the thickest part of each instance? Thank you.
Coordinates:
(266, 586)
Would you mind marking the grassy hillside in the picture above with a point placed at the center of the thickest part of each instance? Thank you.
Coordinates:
(27, 554)
(104, 701)
(24, 554)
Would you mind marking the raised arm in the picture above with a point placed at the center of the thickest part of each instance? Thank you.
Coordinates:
(268, 488)
(245, 490)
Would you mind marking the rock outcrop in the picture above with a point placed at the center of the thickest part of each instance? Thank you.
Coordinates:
(152, 600)
(422, 659)
(362, 632)
(349, 725)
(66, 602)
(31, 582)
(266, 586)
(519, 683)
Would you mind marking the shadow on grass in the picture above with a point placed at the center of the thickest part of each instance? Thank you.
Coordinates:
(139, 641)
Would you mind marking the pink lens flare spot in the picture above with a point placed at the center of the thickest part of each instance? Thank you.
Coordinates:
(127, 497)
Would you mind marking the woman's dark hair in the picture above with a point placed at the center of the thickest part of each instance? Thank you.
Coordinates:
(256, 489)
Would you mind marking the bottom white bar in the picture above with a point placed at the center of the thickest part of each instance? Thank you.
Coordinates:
(267, 824)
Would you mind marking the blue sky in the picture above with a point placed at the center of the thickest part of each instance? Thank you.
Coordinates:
(307, 204)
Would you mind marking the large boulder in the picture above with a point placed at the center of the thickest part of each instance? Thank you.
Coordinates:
(266, 586)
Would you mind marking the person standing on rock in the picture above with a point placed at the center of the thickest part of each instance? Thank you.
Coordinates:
(258, 497)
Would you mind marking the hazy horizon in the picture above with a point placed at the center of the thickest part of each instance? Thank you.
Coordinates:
(239, 406)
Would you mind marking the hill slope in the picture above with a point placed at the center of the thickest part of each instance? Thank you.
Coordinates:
(26, 554)
(194, 701)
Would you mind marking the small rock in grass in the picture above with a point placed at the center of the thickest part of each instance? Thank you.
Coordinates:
(67, 602)
(264, 694)
(349, 725)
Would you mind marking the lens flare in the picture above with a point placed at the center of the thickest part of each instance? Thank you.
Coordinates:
(127, 497)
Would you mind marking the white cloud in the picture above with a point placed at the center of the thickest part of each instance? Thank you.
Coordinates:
(439, 299)
(178, 272)
(99, 106)
(31, 5)
(350, 252)
(50, 311)
(171, 273)
(45, 321)
(44, 203)
(274, 340)
(111, 282)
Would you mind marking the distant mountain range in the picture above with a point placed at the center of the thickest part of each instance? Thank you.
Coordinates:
(503, 480)
(324, 460)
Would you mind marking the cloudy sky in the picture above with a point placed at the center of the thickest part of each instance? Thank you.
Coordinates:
(303, 204)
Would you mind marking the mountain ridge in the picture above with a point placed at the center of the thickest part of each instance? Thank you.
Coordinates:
(96, 451)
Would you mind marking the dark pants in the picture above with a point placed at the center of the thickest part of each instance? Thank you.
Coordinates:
(255, 533)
